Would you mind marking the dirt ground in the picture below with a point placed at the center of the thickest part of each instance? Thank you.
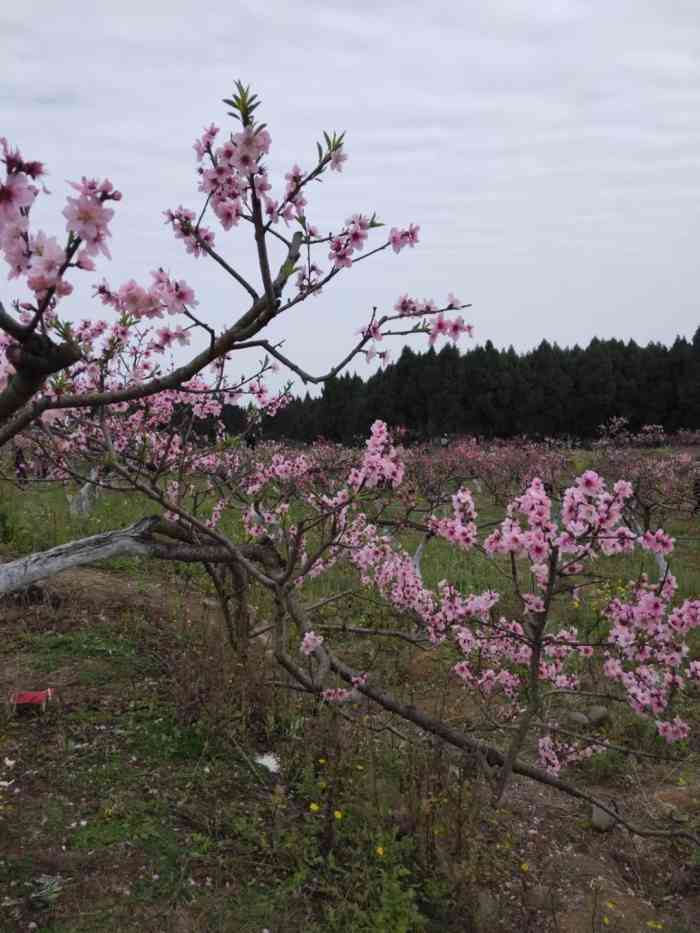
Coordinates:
(110, 820)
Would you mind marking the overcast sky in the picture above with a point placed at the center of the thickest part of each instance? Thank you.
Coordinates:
(547, 148)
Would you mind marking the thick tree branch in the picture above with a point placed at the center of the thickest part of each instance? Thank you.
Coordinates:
(137, 540)
(11, 325)
(35, 359)
(263, 259)
(246, 327)
(18, 574)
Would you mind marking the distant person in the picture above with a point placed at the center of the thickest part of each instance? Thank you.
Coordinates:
(251, 440)
(20, 467)
(444, 441)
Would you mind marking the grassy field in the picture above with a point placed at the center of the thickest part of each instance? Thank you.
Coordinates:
(41, 519)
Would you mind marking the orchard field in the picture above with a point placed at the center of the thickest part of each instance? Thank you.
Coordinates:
(253, 687)
(183, 779)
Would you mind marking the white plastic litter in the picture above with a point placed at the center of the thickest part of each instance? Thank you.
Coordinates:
(269, 761)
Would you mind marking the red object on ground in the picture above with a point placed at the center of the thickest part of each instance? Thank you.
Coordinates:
(32, 698)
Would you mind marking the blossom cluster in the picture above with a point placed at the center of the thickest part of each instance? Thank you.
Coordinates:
(461, 528)
(38, 256)
(381, 465)
(351, 238)
(310, 643)
(441, 325)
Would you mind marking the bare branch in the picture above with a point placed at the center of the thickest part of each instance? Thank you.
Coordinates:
(303, 375)
(224, 265)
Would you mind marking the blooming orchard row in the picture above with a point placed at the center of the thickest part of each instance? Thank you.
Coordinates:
(505, 658)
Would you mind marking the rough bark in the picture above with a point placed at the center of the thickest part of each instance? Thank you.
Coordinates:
(18, 574)
(174, 543)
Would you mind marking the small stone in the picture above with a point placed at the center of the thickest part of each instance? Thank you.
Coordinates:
(597, 715)
(602, 822)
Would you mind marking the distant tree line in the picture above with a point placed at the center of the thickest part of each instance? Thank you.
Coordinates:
(547, 392)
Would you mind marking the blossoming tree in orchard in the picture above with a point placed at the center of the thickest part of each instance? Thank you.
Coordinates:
(49, 366)
(662, 478)
(520, 661)
(95, 400)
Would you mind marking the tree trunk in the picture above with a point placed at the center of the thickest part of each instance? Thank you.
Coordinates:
(18, 574)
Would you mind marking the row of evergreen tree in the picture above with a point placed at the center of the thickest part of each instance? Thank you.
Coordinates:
(547, 392)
